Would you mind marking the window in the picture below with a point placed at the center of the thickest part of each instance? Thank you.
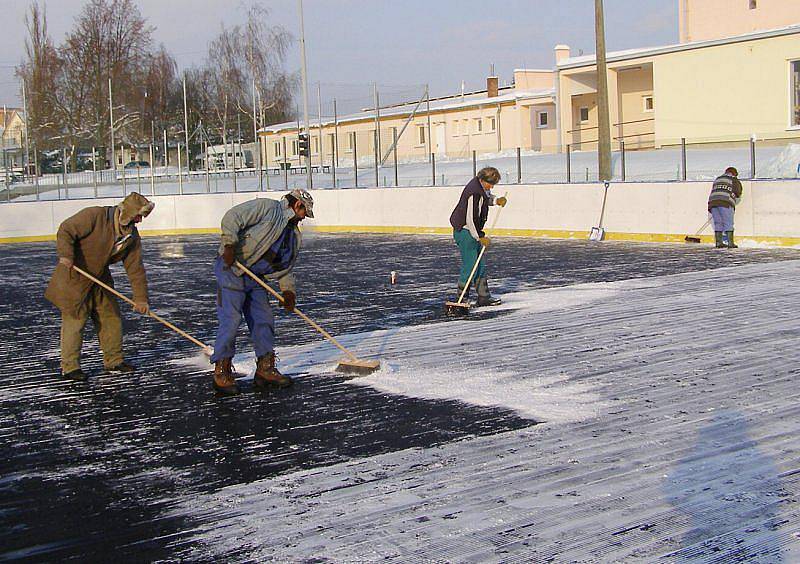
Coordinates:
(351, 141)
(478, 125)
(795, 66)
(420, 134)
(295, 147)
(492, 124)
(753, 4)
(332, 142)
(647, 103)
(584, 114)
(456, 128)
(543, 118)
(315, 145)
(276, 148)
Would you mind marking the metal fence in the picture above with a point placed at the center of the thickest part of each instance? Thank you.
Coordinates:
(366, 160)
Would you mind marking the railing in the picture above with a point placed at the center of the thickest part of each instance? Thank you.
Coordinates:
(667, 160)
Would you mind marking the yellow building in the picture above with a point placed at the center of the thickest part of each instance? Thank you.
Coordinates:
(700, 20)
(713, 90)
(489, 121)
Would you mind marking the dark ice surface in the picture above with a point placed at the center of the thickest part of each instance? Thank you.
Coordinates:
(87, 471)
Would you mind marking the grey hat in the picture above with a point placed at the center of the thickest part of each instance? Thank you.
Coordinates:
(305, 198)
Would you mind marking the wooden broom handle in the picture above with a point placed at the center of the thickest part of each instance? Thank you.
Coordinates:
(307, 319)
(150, 313)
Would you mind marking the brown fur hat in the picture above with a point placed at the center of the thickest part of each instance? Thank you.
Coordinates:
(134, 204)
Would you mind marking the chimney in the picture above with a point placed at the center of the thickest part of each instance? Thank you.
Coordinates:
(491, 87)
(562, 52)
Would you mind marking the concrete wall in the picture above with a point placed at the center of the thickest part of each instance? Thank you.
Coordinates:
(769, 212)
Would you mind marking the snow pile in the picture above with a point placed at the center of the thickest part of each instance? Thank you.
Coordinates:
(785, 165)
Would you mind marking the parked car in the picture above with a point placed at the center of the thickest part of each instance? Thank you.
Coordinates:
(137, 164)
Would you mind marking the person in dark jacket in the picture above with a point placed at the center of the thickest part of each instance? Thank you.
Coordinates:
(263, 235)
(93, 239)
(726, 192)
(468, 220)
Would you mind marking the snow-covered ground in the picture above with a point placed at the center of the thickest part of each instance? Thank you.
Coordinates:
(669, 427)
(651, 165)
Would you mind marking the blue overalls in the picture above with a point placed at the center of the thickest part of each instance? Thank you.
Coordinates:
(239, 296)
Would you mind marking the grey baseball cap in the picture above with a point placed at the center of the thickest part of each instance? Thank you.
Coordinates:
(306, 199)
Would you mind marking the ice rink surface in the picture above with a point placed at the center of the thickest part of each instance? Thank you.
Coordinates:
(628, 401)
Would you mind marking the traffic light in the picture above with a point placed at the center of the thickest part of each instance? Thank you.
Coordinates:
(304, 145)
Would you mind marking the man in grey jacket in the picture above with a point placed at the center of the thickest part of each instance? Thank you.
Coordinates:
(263, 235)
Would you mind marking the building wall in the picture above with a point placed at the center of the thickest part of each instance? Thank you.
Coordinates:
(635, 123)
(733, 90)
(713, 19)
(503, 126)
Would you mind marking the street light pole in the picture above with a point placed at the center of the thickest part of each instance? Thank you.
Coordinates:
(309, 182)
(603, 121)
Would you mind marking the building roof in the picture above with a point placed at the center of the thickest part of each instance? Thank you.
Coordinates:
(474, 99)
(589, 60)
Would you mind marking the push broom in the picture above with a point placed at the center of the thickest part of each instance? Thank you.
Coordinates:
(462, 307)
(207, 350)
(696, 237)
(351, 364)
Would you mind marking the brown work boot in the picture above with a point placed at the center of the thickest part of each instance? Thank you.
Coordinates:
(224, 382)
(267, 375)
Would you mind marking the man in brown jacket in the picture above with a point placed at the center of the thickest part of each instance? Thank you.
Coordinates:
(92, 239)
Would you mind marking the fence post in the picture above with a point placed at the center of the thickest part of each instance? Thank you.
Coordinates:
(94, 170)
(569, 165)
(683, 158)
(622, 159)
(138, 176)
(753, 156)
(377, 158)
(519, 165)
(36, 171)
(394, 152)
(64, 167)
(124, 180)
(285, 166)
(334, 160)
(152, 173)
(355, 161)
(234, 164)
(180, 171)
(474, 164)
(433, 168)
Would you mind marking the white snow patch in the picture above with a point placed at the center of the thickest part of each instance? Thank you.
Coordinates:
(543, 398)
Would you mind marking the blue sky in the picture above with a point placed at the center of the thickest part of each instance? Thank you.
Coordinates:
(399, 44)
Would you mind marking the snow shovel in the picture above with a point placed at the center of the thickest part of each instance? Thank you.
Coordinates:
(462, 307)
(207, 350)
(695, 238)
(597, 233)
(351, 364)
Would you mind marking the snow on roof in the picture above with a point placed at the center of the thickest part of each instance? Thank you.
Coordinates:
(443, 104)
(586, 60)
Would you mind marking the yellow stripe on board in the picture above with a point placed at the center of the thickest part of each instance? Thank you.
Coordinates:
(413, 230)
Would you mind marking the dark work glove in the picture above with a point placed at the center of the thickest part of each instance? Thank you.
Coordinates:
(289, 300)
(229, 255)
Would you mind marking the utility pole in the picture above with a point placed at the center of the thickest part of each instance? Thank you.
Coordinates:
(186, 129)
(310, 182)
(111, 118)
(27, 143)
(603, 121)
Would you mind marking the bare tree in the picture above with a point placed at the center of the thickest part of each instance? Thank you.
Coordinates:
(38, 71)
(244, 56)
